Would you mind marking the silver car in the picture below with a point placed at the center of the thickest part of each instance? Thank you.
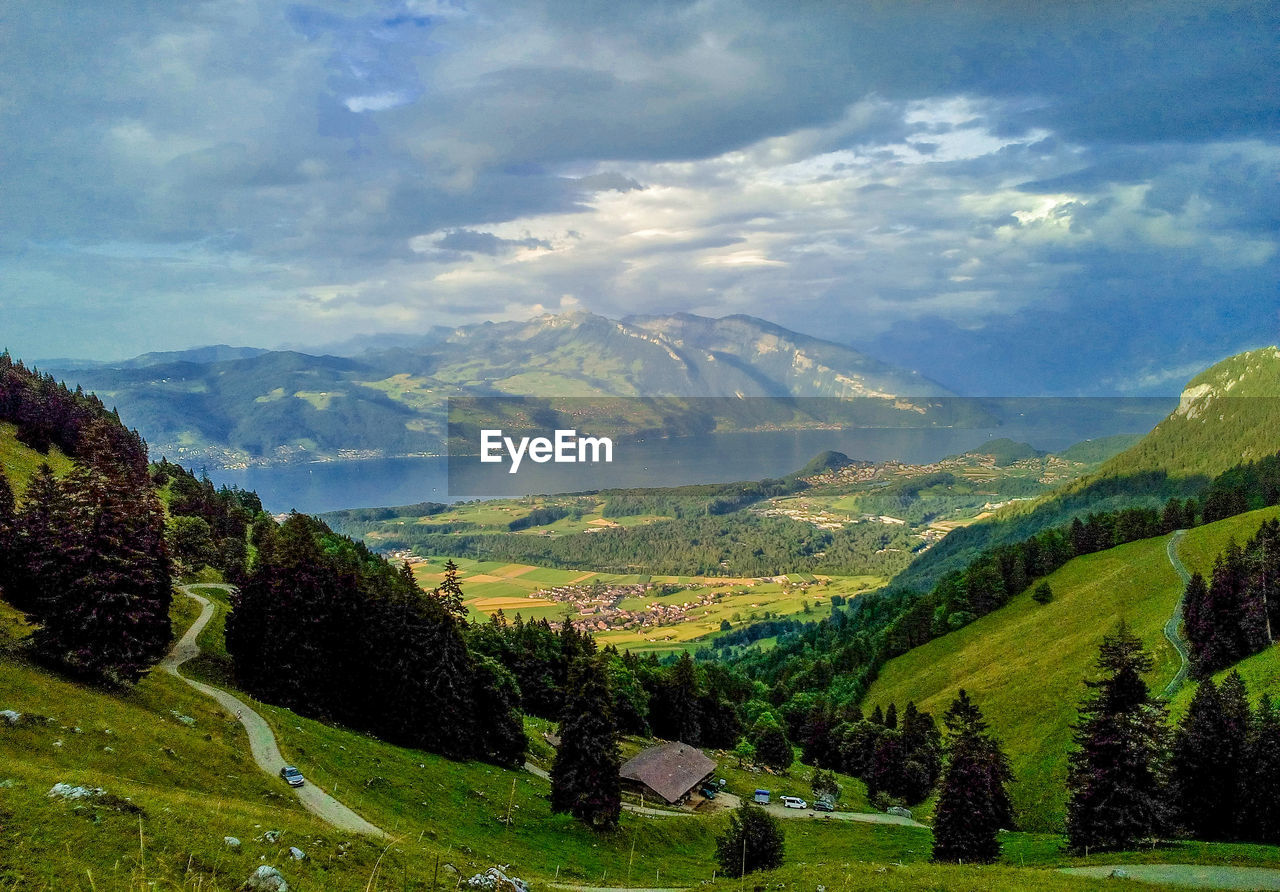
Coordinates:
(292, 776)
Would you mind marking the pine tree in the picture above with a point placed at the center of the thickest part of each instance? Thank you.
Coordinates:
(500, 725)
(584, 777)
(40, 572)
(973, 804)
(1202, 775)
(8, 536)
(753, 841)
(110, 618)
(1261, 819)
(1116, 781)
(922, 754)
(449, 591)
(1198, 622)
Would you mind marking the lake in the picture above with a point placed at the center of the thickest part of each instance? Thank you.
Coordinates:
(712, 458)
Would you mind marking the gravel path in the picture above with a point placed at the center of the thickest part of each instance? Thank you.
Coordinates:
(1173, 628)
(1194, 876)
(262, 741)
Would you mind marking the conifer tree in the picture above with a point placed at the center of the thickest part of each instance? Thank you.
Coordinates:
(500, 724)
(584, 777)
(449, 591)
(1261, 800)
(1117, 777)
(40, 571)
(109, 620)
(1202, 773)
(973, 804)
(8, 535)
(753, 841)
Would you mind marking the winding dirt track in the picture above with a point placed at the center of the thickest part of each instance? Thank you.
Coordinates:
(1173, 628)
(262, 741)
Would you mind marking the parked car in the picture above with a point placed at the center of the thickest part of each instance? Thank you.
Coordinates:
(826, 803)
(794, 802)
(292, 776)
(708, 792)
(762, 797)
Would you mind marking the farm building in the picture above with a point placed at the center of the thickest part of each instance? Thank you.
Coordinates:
(670, 771)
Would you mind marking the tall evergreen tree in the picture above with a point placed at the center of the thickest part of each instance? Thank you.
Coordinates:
(110, 620)
(1261, 800)
(40, 572)
(1203, 772)
(973, 804)
(584, 777)
(8, 535)
(1116, 781)
(449, 591)
(500, 731)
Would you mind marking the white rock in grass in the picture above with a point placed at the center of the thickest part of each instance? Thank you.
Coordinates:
(297, 854)
(9, 717)
(265, 879)
(231, 842)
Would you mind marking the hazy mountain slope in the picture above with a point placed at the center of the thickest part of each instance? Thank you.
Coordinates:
(220, 406)
(1025, 663)
(1228, 414)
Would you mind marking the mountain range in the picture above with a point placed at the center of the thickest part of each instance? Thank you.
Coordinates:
(231, 406)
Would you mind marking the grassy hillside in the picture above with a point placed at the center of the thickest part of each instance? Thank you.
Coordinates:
(1025, 663)
(20, 462)
(1227, 414)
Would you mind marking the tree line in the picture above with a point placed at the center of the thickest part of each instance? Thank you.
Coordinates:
(316, 605)
(1237, 612)
(1215, 776)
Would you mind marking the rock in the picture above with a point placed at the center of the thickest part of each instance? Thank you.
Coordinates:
(185, 719)
(272, 836)
(9, 717)
(67, 791)
(265, 879)
(495, 879)
(231, 842)
(899, 811)
(107, 749)
(297, 854)
(1119, 874)
(450, 869)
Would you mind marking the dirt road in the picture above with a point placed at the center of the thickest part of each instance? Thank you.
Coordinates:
(262, 742)
(1173, 628)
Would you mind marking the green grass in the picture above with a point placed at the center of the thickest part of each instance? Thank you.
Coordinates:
(1025, 664)
(21, 462)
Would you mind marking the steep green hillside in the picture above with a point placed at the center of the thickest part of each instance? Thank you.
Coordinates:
(1025, 663)
(20, 461)
(1229, 413)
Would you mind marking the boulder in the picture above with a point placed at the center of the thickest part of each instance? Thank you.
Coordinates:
(297, 854)
(495, 879)
(272, 836)
(231, 842)
(900, 812)
(265, 879)
(9, 717)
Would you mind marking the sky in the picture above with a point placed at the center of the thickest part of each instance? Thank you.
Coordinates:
(1012, 198)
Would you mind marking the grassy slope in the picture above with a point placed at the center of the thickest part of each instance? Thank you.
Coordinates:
(1025, 663)
(20, 462)
(195, 785)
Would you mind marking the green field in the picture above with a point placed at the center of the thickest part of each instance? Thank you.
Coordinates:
(1025, 664)
(489, 586)
(20, 463)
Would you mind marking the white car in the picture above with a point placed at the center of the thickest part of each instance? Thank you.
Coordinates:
(794, 802)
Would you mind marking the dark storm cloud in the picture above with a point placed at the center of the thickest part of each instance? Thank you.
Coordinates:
(948, 184)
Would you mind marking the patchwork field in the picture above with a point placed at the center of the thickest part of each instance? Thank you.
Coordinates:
(702, 603)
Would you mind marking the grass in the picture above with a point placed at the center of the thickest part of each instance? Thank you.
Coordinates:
(21, 462)
(1025, 664)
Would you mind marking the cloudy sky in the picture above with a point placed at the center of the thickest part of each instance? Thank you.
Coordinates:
(1013, 198)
